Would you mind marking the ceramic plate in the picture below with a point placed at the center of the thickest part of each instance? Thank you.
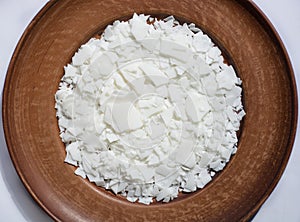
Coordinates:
(266, 137)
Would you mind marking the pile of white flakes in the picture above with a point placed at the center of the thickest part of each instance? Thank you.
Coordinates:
(150, 109)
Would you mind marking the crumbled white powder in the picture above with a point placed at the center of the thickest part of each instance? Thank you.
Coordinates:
(149, 110)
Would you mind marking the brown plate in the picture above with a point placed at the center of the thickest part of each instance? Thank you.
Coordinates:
(266, 139)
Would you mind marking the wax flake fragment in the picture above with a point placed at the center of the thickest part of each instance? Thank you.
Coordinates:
(241, 114)
(174, 50)
(179, 70)
(158, 130)
(225, 80)
(201, 42)
(217, 165)
(132, 199)
(167, 115)
(190, 185)
(70, 160)
(139, 28)
(151, 44)
(184, 150)
(146, 102)
(102, 66)
(233, 116)
(138, 85)
(70, 71)
(205, 159)
(80, 172)
(164, 170)
(119, 81)
(147, 172)
(156, 76)
(190, 161)
(134, 118)
(112, 137)
(203, 178)
(125, 116)
(225, 153)
(175, 135)
(82, 55)
(141, 133)
(175, 92)
(203, 68)
(210, 81)
(214, 53)
(145, 200)
(153, 159)
(162, 91)
(170, 72)
(151, 111)
(67, 106)
(162, 194)
(191, 108)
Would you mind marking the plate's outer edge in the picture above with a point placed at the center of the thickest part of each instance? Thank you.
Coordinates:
(263, 19)
(5, 110)
(250, 7)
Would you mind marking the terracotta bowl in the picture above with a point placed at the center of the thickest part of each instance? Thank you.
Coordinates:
(249, 42)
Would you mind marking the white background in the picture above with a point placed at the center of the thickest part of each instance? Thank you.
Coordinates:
(17, 205)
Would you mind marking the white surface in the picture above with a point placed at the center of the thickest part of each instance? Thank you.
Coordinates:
(17, 205)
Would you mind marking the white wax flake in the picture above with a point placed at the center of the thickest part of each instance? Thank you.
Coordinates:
(196, 106)
(82, 55)
(201, 43)
(112, 137)
(145, 200)
(139, 28)
(157, 130)
(149, 110)
(102, 66)
(176, 94)
(184, 151)
(119, 81)
(225, 79)
(214, 53)
(70, 71)
(167, 115)
(80, 172)
(175, 50)
(203, 178)
(154, 74)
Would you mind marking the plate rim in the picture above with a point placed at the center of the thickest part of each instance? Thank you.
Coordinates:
(249, 6)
